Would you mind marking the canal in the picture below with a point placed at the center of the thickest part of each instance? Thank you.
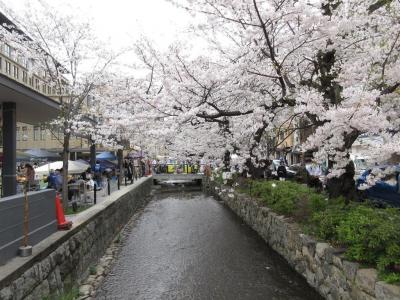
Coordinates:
(186, 245)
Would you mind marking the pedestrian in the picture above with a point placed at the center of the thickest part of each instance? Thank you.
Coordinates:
(30, 177)
(51, 180)
(97, 175)
(59, 179)
(281, 171)
(142, 168)
(154, 166)
(131, 171)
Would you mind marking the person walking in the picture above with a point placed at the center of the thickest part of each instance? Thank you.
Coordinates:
(281, 171)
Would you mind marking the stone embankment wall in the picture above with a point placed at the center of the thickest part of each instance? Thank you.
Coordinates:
(322, 265)
(65, 257)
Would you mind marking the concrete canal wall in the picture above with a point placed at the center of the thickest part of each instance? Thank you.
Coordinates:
(65, 257)
(322, 265)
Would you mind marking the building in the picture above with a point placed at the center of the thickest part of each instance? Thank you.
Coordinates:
(27, 102)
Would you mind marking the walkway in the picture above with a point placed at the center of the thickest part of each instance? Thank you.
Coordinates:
(189, 246)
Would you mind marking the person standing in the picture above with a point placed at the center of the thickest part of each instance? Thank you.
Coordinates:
(30, 177)
(142, 167)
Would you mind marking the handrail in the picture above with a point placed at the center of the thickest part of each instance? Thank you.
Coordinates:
(19, 73)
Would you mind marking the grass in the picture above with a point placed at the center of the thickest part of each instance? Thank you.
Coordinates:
(92, 270)
(70, 294)
(70, 211)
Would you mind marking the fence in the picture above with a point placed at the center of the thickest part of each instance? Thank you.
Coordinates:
(42, 221)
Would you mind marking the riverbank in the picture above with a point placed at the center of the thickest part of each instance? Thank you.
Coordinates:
(323, 266)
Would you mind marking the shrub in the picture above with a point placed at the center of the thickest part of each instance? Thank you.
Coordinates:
(287, 197)
(324, 224)
(372, 236)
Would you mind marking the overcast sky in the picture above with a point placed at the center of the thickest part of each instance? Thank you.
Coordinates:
(122, 21)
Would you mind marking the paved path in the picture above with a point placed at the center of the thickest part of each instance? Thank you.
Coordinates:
(101, 195)
(189, 246)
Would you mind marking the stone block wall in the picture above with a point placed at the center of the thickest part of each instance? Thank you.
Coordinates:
(65, 257)
(323, 266)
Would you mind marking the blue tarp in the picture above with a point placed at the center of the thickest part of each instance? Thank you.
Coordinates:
(106, 156)
(382, 190)
(40, 153)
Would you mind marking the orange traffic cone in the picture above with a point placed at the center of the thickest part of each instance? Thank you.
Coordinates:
(62, 223)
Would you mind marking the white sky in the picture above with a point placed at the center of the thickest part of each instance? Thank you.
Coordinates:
(121, 22)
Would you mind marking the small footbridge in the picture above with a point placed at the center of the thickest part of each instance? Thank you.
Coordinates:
(177, 178)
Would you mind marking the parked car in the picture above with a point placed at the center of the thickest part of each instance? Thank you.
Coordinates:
(385, 190)
(290, 172)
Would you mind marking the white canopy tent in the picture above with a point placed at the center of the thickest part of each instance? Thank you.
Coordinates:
(74, 167)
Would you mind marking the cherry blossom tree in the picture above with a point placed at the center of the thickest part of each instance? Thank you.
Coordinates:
(64, 51)
(327, 65)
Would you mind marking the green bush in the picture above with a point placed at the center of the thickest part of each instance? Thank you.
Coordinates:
(287, 197)
(324, 224)
(372, 236)
(390, 277)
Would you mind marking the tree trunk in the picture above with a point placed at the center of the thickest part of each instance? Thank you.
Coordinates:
(67, 137)
(256, 172)
(344, 185)
(227, 161)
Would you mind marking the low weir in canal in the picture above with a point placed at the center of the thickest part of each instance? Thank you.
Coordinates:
(187, 245)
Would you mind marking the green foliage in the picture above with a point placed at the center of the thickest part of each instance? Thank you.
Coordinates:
(324, 224)
(118, 238)
(69, 294)
(218, 177)
(370, 235)
(92, 270)
(287, 197)
(81, 208)
(390, 277)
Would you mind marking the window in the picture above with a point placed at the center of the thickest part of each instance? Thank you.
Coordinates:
(18, 134)
(24, 76)
(30, 80)
(36, 133)
(1, 64)
(37, 84)
(44, 88)
(8, 67)
(48, 90)
(7, 50)
(42, 133)
(16, 72)
(24, 62)
(24, 133)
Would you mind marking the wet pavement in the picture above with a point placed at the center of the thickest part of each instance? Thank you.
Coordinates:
(190, 246)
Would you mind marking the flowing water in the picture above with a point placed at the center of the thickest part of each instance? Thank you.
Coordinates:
(186, 245)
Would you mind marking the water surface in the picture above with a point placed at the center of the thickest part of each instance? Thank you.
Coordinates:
(190, 246)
